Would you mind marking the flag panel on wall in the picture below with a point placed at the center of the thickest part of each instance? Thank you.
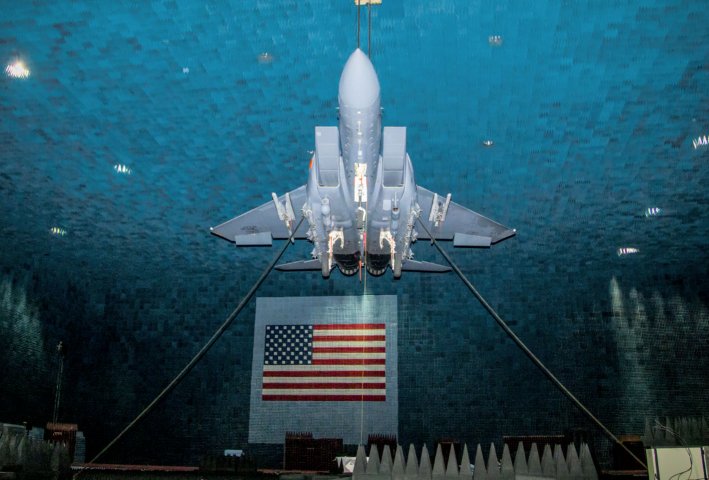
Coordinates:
(325, 362)
(326, 365)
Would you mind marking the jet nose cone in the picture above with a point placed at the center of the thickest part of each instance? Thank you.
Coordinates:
(359, 85)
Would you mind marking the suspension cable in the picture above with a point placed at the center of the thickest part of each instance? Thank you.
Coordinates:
(369, 29)
(359, 4)
(203, 351)
(526, 350)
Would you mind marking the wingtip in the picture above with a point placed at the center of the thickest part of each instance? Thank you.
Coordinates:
(504, 235)
(424, 267)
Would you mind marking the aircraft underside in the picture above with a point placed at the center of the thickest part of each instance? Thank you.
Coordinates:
(361, 202)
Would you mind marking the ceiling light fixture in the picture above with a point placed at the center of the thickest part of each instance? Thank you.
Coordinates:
(122, 169)
(653, 211)
(17, 70)
(495, 40)
(265, 57)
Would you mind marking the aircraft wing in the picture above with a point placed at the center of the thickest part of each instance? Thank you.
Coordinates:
(465, 227)
(425, 267)
(300, 266)
(259, 226)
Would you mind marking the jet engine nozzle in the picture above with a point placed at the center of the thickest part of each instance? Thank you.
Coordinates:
(377, 264)
(348, 263)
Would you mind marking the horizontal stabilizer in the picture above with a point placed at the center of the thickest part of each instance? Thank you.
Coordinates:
(300, 266)
(416, 266)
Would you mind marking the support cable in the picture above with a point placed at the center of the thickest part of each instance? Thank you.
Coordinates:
(526, 350)
(369, 29)
(203, 351)
(359, 4)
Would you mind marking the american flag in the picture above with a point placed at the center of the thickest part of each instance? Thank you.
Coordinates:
(325, 362)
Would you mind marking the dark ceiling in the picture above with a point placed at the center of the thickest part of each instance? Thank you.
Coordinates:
(142, 124)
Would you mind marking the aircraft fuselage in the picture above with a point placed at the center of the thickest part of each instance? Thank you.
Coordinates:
(357, 202)
(361, 202)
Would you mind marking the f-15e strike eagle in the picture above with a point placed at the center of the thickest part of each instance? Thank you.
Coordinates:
(361, 202)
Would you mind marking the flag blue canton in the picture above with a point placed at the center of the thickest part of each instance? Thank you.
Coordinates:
(288, 345)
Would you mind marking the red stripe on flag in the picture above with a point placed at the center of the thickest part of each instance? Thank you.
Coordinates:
(353, 326)
(349, 361)
(330, 373)
(349, 350)
(325, 398)
(349, 338)
(324, 386)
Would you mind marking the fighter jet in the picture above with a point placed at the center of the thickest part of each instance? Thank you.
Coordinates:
(361, 203)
